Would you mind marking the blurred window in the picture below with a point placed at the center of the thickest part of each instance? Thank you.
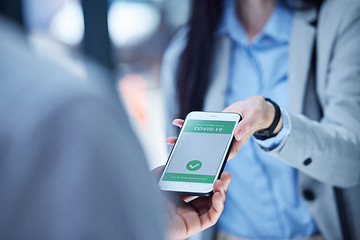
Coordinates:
(139, 32)
(59, 19)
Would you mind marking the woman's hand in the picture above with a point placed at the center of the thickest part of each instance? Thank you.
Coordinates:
(186, 218)
(257, 114)
(179, 123)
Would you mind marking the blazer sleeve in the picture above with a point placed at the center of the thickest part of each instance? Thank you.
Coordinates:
(329, 150)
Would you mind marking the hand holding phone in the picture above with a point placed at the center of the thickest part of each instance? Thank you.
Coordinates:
(200, 153)
(186, 218)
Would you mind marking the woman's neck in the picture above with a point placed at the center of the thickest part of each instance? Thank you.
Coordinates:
(254, 14)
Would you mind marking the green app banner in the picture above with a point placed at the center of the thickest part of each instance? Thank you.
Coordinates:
(181, 177)
(206, 126)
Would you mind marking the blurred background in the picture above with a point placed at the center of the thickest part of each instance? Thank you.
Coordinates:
(127, 37)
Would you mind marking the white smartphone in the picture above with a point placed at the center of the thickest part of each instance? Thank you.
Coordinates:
(199, 155)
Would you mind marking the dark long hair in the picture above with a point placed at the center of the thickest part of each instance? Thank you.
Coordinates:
(193, 75)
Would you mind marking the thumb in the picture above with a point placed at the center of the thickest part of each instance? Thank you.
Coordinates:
(241, 129)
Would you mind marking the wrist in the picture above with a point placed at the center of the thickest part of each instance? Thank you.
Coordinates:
(270, 119)
(270, 115)
(279, 126)
(273, 120)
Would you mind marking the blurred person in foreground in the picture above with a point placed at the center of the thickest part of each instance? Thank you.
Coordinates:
(70, 165)
(295, 173)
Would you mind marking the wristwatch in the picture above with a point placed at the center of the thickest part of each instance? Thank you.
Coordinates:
(266, 133)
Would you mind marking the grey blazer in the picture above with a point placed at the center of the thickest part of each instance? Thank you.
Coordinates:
(324, 114)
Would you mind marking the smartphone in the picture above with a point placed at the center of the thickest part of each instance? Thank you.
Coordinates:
(199, 155)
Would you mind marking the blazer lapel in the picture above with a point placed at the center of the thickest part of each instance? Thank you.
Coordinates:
(300, 53)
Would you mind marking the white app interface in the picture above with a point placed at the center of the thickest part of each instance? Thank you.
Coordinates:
(199, 152)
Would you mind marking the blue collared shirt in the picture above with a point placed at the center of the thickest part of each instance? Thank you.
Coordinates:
(263, 201)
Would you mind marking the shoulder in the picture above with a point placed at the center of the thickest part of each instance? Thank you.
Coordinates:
(338, 19)
(340, 4)
(344, 12)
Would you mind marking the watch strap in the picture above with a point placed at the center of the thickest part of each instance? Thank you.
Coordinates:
(266, 133)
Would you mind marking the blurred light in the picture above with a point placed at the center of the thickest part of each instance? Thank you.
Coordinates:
(38, 13)
(131, 23)
(68, 24)
(133, 89)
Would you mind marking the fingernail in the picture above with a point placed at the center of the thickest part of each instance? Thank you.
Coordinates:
(240, 135)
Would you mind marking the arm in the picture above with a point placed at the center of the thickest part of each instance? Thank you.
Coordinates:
(333, 144)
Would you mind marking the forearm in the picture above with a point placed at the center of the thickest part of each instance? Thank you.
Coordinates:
(333, 151)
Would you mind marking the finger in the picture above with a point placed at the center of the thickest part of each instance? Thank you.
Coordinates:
(170, 140)
(201, 202)
(222, 184)
(225, 179)
(210, 218)
(245, 127)
(251, 123)
(203, 210)
(238, 144)
(219, 187)
(178, 122)
(217, 207)
(234, 149)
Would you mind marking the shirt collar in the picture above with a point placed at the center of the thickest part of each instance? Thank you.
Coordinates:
(278, 27)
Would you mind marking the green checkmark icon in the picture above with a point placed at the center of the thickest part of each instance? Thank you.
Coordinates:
(193, 165)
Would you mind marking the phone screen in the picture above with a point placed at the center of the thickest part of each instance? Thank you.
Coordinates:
(199, 151)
